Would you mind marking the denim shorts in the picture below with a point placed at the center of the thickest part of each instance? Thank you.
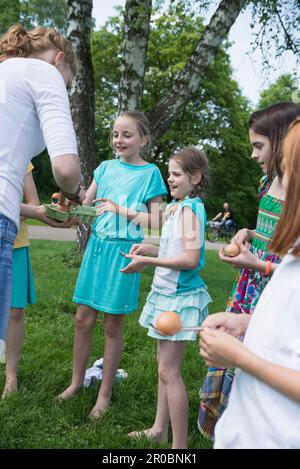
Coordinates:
(8, 232)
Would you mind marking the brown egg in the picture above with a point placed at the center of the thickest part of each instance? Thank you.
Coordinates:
(168, 323)
(232, 250)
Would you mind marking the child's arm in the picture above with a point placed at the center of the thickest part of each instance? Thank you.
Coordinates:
(150, 220)
(90, 194)
(37, 212)
(220, 349)
(145, 249)
(188, 260)
(29, 190)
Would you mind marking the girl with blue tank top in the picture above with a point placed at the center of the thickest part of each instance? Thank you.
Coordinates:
(176, 287)
(128, 192)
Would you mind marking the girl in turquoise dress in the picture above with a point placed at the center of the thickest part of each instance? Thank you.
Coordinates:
(176, 287)
(128, 192)
(267, 129)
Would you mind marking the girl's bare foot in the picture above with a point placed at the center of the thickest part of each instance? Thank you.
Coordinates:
(69, 392)
(100, 408)
(11, 387)
(150, 434)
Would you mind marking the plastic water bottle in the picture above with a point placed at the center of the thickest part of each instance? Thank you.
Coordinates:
(121, 375)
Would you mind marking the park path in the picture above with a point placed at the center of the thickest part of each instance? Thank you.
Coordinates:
(69, 234)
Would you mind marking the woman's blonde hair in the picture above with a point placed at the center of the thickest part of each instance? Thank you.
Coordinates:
(17, 42)
(288, 228)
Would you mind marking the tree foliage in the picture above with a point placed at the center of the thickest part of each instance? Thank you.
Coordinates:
(284, 89)
(9, 14)
(278, 26)
(215, 119)
(31, 13)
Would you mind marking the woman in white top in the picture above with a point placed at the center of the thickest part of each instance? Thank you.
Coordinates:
(264, 405)
(36, 68)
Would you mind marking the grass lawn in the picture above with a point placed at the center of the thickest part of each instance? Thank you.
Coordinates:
(32, 418)
(31, 221)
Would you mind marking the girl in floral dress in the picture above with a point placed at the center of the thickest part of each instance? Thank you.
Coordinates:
(267, 129)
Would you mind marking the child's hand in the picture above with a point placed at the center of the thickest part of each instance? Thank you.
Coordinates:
(245, 259)
(40, 215)
(234, 324)
(106, 206)
(144, 249)
(219, 349)
(243, 236)
(137, 264)
(138, 249)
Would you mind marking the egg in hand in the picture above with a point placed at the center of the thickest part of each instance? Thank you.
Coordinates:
(232, 250)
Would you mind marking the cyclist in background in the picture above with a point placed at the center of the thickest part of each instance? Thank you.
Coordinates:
(226, 219)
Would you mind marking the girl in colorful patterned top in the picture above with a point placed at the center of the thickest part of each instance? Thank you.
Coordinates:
(266, 131)
(130, 193)
(264, 406)
(176, 287)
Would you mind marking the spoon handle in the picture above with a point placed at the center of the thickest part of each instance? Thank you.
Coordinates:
(190, 328)
(193, 328)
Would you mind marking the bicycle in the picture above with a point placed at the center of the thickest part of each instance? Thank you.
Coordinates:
(214, 231)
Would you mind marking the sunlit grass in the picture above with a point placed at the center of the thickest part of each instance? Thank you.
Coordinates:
(32, 419)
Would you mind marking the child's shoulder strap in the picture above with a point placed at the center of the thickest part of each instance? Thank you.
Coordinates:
(264, 186)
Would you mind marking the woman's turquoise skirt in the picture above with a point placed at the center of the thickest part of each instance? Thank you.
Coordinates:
(100, 284)
(23, 290)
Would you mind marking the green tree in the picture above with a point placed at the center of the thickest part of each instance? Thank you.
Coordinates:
(283, 89)
(278, 25)
(30, 13)
(216, 118)
(9, 14)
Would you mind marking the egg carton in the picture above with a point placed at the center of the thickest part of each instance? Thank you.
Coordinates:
(52, 211)
(85, 213)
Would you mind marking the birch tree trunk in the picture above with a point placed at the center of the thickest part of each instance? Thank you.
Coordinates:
(189, 80)
(136, 32)
(82, 92)
(170, 106)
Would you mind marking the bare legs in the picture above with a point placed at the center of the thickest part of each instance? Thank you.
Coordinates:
(172, 401)
(14, 341)
(84, 324)
(113, 328)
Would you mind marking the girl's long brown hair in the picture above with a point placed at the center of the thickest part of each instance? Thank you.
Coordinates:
(273, 122)
(17, 42)
(288, 228)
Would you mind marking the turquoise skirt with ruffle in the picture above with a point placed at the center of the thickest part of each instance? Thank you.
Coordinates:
(191, 307)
